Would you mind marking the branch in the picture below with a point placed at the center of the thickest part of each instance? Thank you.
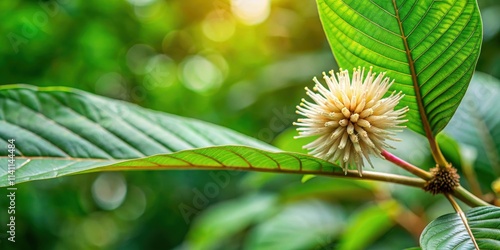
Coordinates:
(352, 174)
(462, 194)
(377, 176)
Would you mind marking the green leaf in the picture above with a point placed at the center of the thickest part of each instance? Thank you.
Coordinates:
(369, 224)
(306, 225)
(429, 47)
(477, 124)
(223, 221)
(450, 148)
(60, 131)
(307, 177)
(67, 123)
(448, 231)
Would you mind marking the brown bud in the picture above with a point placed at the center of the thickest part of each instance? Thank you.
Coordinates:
(444, 180)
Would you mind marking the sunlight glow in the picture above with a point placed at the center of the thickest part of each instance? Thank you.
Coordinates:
(251, 12)
(218, 26)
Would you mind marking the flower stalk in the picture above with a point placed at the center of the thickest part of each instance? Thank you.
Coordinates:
(407, 166)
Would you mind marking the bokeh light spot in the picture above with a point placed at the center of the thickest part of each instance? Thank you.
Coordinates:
(201, 75)
(251, 12)
(161, 72)
(133, 206)
(155, 11)
(141, 2)
(218, 26)
(109, 190)
(100, 230)
(138, 57)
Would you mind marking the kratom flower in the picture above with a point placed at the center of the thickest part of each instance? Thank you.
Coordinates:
(350, 118)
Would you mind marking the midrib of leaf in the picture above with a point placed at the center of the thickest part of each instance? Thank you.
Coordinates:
(63, 164)
(436, 152)
(463, 218)
(61, 158)
(210, 158)
(469, 230)
(301, 164)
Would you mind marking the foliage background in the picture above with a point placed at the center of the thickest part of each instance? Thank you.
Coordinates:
(216, 61)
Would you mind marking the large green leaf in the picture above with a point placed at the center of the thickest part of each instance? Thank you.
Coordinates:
(477, 125)
(307, 224)
(58, 131)
(221, 222)
(429, 47)
(448, 231)
(368, 224)
(67, 123)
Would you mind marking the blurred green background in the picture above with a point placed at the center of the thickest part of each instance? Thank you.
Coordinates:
(242, 64)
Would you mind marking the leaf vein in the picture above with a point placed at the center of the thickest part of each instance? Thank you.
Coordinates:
(421, 19)
(133, 148)
(443, 35)
(367, 19)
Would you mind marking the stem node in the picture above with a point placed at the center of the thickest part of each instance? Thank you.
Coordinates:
(444, 180)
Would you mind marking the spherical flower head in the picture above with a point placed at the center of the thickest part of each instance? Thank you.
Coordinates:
(350, 117)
